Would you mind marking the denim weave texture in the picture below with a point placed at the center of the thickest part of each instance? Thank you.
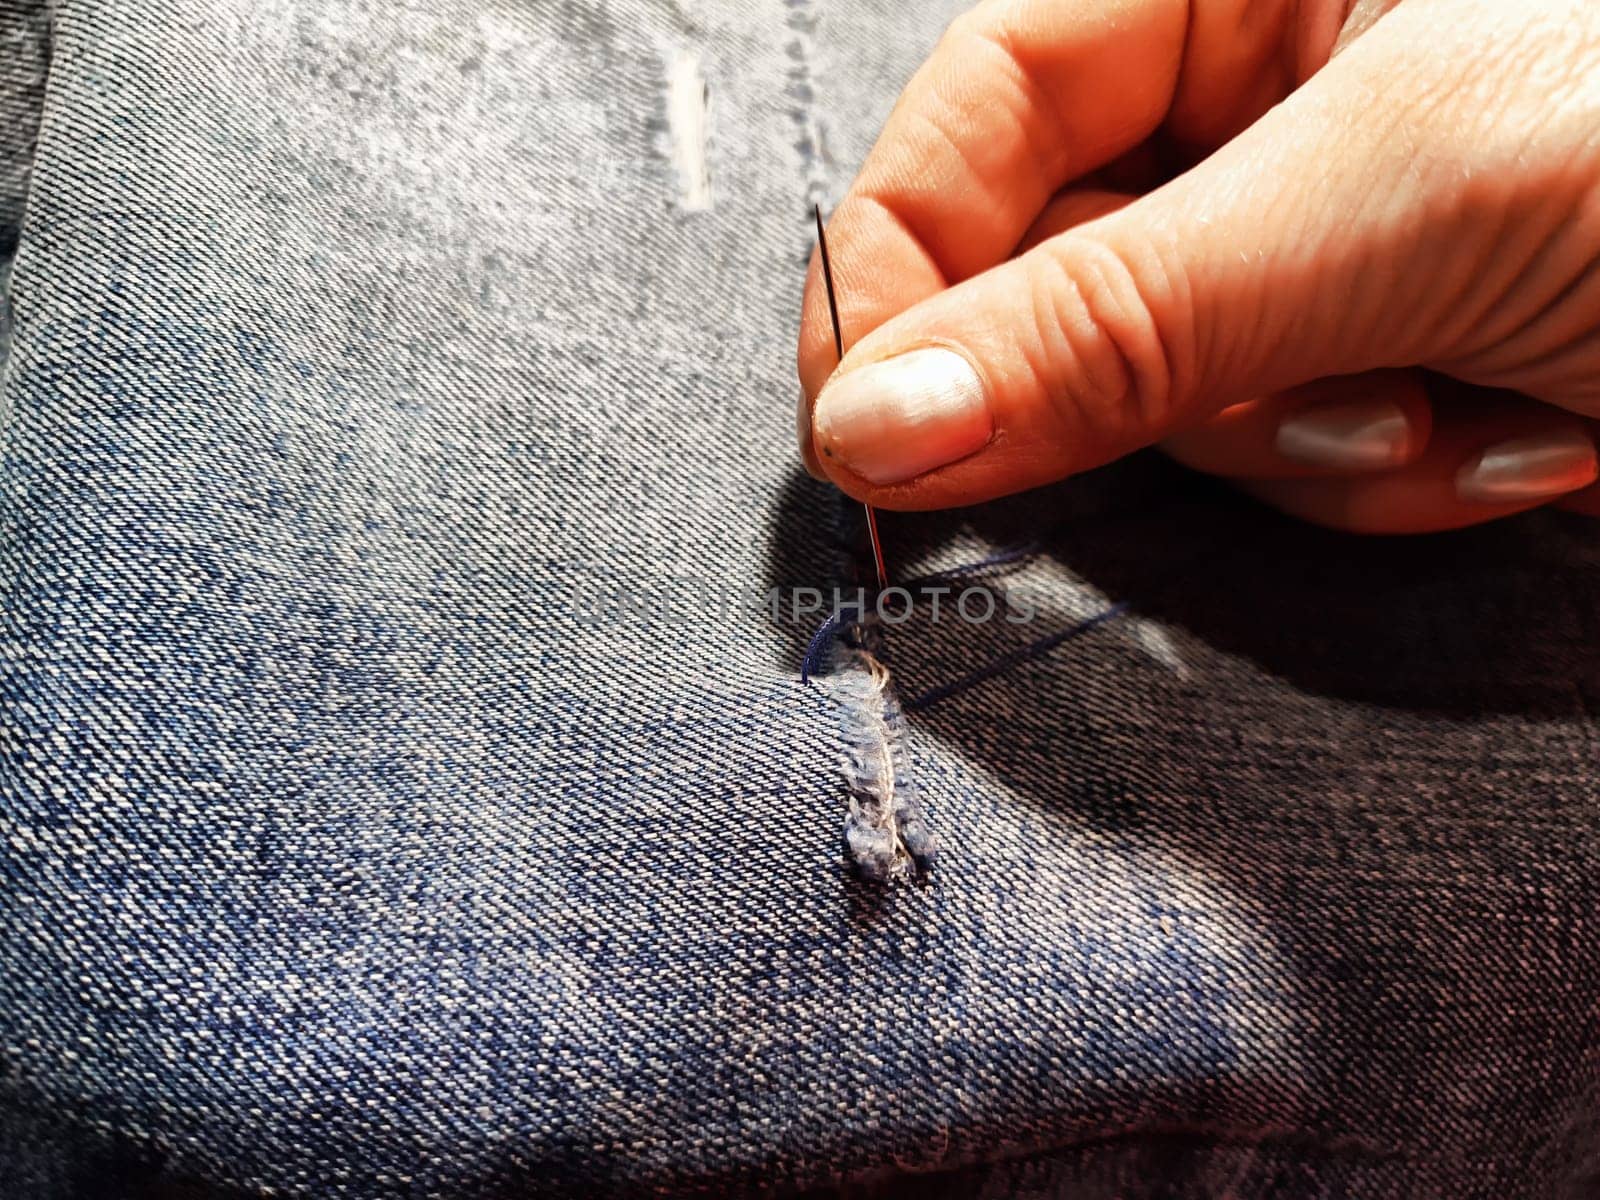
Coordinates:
(340, 857)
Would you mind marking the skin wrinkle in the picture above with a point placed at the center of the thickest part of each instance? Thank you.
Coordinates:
(950, 268)
(1338, 294)
(1486, 365)
(1537, 378)
(843, 268)
(1050, 149)
(899, 219)
(1144, 271)
(1458, 324)
(904, 182)
(1531, 283)
(1363, 269)
(1057, 150)
(1297, 212)
(1563, 307)
(1051, 331)
(1135, 353)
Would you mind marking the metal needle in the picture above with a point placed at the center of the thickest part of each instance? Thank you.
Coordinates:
(838, 346)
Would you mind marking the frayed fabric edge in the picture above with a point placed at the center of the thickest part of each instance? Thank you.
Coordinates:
(886, 834)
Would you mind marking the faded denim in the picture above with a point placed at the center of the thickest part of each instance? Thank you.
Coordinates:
(342, 858)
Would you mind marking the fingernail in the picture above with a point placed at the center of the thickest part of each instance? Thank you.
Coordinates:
(900, 418)
(1530, 468)
(1362, 435)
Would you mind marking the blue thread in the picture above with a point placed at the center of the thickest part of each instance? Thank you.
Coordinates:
(885, 830)
(821, 641)
(837, 621)
(1000, 558)
(1006, 661)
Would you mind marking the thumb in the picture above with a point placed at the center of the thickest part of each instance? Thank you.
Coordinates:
(1280, 259)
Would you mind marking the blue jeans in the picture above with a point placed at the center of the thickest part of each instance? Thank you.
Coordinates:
(406, 782)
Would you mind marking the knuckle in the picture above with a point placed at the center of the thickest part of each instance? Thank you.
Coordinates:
(1107, 359)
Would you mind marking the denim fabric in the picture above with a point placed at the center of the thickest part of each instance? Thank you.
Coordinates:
(344, 856)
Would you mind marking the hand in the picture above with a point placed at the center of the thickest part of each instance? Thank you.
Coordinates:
(1426, 194)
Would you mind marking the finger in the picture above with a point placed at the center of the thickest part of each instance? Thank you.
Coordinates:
(1586, 502)
(1350, 424)
(1019, 97)
(1479, 465)
(1069, 209)
(808, 450)
(1022, 96)
(1260, 269)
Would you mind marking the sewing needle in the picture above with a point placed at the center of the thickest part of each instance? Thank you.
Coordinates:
(838, 348)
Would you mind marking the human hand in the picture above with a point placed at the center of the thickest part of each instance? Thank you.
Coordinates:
(1427, 194)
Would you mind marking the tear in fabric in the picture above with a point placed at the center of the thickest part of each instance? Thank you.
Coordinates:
(885, 831)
